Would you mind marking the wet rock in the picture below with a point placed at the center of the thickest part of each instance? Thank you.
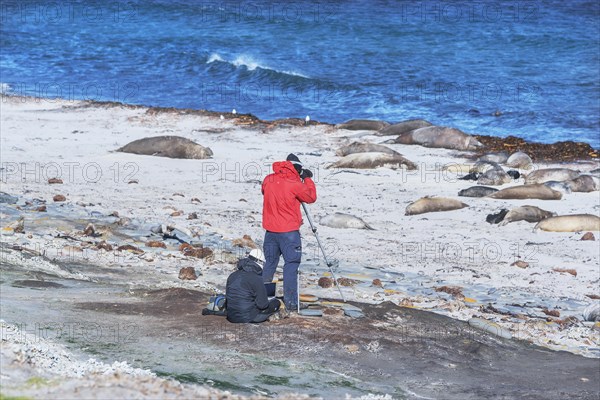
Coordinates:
(59, 197)
(347, 282)
(552, 313)
(325, 282)
(129, 247)
(455, 291)
(567, 270)
(588, 236)
(90, 230)
(156, 243)
(104, 246)
(192, 216)
(55, 181)
(520, 264)
(41, 208)
(188, 273)
(195, 251)
(245, 241)
(377, 282)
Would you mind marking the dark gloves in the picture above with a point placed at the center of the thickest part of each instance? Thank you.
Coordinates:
(306, 173)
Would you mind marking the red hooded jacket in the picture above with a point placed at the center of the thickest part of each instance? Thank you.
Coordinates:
(283, 191)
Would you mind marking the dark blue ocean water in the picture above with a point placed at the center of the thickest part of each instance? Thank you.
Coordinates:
(524, 68)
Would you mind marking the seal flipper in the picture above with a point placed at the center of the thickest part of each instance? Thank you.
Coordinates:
(498, 217)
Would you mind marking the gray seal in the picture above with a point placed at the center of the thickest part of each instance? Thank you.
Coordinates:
(363, 125)
(343, 221)
(494, 177)
(562, 187)
(168, 146)
(404, 126)
(477, 191)
(499, 157)
(526, 213)
(358, 147)
(519, 160)
(440, 137)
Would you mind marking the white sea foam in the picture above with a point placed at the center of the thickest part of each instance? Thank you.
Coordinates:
(250, 63)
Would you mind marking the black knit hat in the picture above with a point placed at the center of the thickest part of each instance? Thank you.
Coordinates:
(295, 161)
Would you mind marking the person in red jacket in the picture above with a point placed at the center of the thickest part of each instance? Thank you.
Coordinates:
(283, 190)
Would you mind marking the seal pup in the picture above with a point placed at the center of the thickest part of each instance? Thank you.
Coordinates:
(570, 223)
(471, 176)
(404, 126)
(168, 146)
(373, 160)
(584, 183)
(477, 191)
(551, 174)
(363, 125)
(440, 137)
(342, 221)
(496, 218)
(526, 213)
(433, 204)
(539, 191)
(357, 147)
(519, 160)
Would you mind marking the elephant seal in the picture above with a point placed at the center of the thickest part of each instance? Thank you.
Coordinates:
(403, 127)
(540, 192)
(496, 218)
(342, 221)
(519, 160)
(363, 125)
(526, 213)
(494, 177)
(584, 183)
(595, 172)
(477, 191)
(440, 137)
(433, 204)
(562, 187)
(168, 146)
(373, 160)
(358, 147)
(551, 174)
(483, 166)
(500, 157)
(570, 223)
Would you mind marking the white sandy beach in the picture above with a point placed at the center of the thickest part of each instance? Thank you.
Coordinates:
(411, 255)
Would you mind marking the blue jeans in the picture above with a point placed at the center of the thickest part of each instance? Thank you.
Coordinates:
(289, 245)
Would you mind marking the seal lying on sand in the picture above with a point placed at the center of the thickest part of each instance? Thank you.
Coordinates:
(562, 187)
(496, 218)
(358, 147)
(570, 223)
(526, 213)
(584, 183)
(551, 174)
(440, 137)
(168, 146)
(433, 204)
(541, 192)
(499, 157)
(477, 191)
(363, 125)
(373, 160)
(494, 177)
(519, 160)
(404, 126)
(341, 220)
